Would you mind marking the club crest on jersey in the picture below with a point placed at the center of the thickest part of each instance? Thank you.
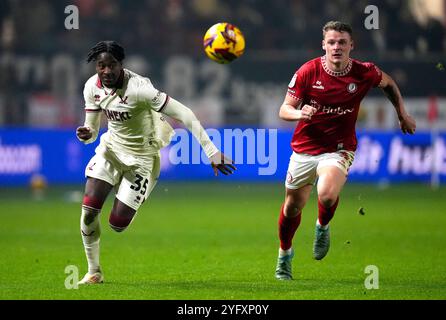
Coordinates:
(123, 100)
(293, 81)
(352, 87)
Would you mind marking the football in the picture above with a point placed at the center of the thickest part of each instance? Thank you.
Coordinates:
(224, 42)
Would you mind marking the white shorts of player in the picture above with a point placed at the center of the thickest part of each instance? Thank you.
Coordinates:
(303, 168)
(133, 183)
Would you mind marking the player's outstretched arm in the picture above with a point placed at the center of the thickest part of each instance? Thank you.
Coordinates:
(291, 110)
(391, 90)
(180, 112)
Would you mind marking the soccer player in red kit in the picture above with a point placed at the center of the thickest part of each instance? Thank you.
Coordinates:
(324, 97)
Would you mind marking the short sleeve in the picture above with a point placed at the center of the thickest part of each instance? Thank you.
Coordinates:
(296, 87)
(89, 99)
(151, 96)
(374, 73)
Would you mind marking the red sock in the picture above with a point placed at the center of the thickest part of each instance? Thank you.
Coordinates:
(287, 229)
(326, 214)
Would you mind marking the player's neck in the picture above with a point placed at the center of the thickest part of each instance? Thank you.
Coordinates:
(336, 67)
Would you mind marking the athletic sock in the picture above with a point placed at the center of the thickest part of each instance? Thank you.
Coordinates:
(326, 214)
(287, 229)
(283, 253)
(91, 232)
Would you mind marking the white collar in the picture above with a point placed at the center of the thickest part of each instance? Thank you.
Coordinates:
(336, 73)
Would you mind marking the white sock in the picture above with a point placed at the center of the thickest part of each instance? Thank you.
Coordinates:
(321, 226)
(283, 253)
(91, 232)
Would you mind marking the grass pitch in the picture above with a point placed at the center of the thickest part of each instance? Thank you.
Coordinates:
(219, 241)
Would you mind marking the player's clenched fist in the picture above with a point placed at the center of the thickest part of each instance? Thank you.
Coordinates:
(83, 133)
(307, 112)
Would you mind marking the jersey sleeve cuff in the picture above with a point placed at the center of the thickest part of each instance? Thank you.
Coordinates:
(164, 104)
(293, 96)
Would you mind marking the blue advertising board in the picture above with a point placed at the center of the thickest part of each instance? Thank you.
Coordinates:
(259, 154)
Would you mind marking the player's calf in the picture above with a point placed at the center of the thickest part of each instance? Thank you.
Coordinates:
(119, 223)
(121, 216)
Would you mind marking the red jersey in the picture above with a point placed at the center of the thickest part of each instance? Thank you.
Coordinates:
(336, 96)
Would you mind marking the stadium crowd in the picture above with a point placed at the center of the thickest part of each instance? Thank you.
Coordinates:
(159, 29)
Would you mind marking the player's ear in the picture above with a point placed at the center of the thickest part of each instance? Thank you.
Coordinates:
(323, 44)
(352, 45)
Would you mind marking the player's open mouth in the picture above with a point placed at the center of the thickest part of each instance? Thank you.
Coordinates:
(108, 80)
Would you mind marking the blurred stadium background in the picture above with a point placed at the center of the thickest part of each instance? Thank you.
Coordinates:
(43, 70)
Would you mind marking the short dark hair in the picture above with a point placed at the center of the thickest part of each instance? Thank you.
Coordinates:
(337, 26)
(112, 47)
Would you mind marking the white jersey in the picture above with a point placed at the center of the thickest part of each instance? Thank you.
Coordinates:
(135, 126)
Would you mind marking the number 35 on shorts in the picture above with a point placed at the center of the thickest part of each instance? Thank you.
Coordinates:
(136, 188)
(139, 184)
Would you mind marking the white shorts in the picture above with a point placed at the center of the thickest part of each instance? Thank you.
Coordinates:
(133, 184)
(303, 168)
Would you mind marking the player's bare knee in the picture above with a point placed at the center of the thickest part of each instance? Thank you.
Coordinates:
(327, 199)
(292, 209)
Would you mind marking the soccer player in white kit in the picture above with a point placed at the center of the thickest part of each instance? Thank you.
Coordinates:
(128, 157)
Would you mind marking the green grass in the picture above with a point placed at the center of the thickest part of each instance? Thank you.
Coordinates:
(219, 241)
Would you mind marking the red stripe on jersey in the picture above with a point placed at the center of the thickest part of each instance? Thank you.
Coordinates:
(99, 83)
(92, 110)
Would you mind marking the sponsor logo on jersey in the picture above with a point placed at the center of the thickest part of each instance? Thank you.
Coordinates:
(331, 110)
(97, 97)
(336, 110)
(352, 87)
(293, 81)
(117, 115)
(318, 85)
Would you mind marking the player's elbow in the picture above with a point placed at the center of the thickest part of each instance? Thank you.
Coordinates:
(284, 113)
